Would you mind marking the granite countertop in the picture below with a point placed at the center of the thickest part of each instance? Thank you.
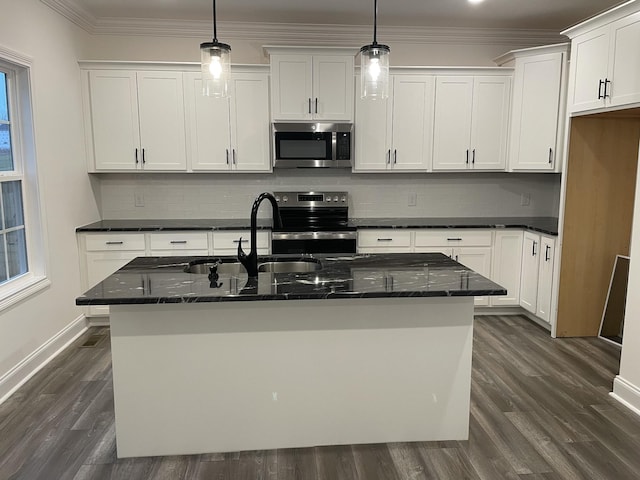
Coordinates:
(548, 225)
(151, 280)
(173, 224)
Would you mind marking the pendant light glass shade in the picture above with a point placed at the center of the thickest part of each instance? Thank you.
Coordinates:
(215, 58)
(374, 65)
(374, 71)
(216, 69)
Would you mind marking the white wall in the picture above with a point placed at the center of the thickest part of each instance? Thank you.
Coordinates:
(627, 385)
(175, 49)
(372, 195)
(30, 28)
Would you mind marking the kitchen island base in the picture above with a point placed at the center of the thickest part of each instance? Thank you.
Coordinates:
(195, 378)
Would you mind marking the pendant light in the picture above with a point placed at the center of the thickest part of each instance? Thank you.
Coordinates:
(374, 65)
(216, 64)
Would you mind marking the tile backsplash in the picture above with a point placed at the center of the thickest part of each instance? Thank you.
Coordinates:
(164, 196)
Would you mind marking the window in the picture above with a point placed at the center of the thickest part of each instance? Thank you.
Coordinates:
(21, 242)
(13, 249)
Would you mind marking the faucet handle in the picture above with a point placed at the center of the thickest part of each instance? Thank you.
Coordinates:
(241, 254)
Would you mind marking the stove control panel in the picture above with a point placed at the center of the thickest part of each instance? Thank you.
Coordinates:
(312, 199)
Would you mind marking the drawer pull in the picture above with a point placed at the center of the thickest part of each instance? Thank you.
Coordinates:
(114, 243)
(458, 239)
(178, 242)
(243, 240)
(385, 239)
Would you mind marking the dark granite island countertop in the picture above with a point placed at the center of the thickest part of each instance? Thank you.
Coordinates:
(149, 280)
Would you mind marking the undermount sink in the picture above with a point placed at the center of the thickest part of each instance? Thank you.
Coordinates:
(300, 266)
(236, 268)
(230, 268)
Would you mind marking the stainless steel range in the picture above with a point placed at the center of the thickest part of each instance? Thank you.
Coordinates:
(314, 222)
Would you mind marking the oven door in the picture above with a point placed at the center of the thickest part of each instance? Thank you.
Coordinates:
(313, 242)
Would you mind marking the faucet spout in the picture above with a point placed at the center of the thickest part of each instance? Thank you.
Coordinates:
(250, 261)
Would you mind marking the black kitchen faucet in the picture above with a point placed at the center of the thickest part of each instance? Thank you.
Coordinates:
(250, 262)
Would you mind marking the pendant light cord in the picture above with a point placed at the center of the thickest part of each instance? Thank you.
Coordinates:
(375, 21)
(215, 30)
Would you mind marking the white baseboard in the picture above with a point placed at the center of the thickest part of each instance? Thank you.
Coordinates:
(98, 321)
(627, 394)
(27, 368)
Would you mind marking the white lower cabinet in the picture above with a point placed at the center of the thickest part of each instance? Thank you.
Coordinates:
(537, 274)
(471, 248)
(384, 240)
(506, 271)
(226, 243)
(104, 254)
(178, 244)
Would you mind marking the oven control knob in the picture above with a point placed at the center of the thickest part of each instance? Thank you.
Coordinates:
(335, 199)
(285, 199)
(277, 198)
(328, 199)
(344, 199)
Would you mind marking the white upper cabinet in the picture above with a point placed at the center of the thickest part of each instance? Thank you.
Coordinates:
(412, 122)
(136, 120)
(229, 134)
(471, 122)
(605, 64)
(312, 85)
(396, 134)
(536, 138)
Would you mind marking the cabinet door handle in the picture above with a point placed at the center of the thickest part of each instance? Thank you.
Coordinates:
(388, 156)
(178, 242)
(456, 239)
(533, 250)
(316, 105)
(606, 84)
(395, 157)
(467, 156)
(114, 243)
(227, 150)
(143, 159)
(233, 156)
(385, 239)
(546, 253)
(137, 161)
(550, 156)
(473, 158)
(600, 84)
(309, 105)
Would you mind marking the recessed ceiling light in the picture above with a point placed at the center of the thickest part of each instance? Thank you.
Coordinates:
(476, 1)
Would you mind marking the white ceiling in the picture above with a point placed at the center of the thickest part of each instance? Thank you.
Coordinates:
(525, 14)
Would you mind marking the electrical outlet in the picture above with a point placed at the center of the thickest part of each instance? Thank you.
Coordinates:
(413, 199)
(525, 199)
(139, 199)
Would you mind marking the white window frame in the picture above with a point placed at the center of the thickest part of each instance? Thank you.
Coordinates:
(18, 69)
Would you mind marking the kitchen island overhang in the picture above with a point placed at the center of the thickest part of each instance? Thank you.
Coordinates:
(355, 364)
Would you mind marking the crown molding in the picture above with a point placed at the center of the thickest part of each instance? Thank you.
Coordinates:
(302, 34)
(73, 12)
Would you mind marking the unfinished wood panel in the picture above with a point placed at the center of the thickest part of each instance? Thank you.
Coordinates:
(601, 178)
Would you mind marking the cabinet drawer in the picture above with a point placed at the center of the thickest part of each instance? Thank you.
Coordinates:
(453, 238)
(230, 240)
(110, 242)
(384, 238)
(179, 241)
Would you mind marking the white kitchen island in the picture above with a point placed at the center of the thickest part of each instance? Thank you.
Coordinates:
(287, 370)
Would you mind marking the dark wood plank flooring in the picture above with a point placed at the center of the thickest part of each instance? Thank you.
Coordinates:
(540, 410)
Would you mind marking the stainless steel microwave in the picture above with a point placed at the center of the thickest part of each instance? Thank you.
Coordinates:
(312, 145)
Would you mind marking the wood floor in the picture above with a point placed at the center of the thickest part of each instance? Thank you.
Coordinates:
(540, 411)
